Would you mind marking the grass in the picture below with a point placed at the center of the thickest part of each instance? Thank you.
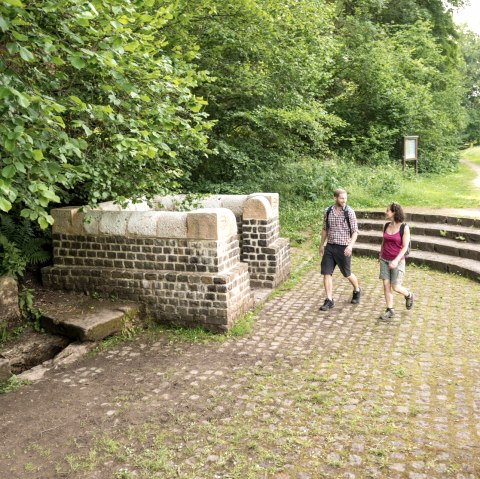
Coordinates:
(11, 385)
(301, 221)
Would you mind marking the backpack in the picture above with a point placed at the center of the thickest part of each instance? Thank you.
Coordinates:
(402, 229)
(345, 212)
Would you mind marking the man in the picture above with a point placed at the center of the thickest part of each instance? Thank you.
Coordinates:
(340, 230)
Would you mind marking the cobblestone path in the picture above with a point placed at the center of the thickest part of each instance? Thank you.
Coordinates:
(306, 395)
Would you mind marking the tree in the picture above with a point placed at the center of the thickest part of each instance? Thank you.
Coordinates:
(89, 101)
(470, 48)
(397, 80)
(272, 63)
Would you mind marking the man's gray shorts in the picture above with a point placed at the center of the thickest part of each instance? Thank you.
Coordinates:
(395, 276)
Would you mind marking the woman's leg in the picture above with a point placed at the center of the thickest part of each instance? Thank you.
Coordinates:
(400, 289)
(387, 290)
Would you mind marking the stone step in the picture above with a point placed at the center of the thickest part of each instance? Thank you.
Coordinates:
(429, 243)
(85, 318)
(424, 217)
(462, 234)
(441, 262)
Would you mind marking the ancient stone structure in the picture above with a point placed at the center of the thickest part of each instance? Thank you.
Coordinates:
(186, 267)
(8, 299)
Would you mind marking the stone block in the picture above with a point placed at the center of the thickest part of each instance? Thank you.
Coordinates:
(87, 319)
(234, 203)
(142, 223)
(8, 299)
(211, 224)
(63, 220)
(273, 199)
(171, 224)
(257, 208)
(114, 223)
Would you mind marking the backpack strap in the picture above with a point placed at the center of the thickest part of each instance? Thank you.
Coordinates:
(402, 229)
(385, 227)
(347, 218)
(329, 210)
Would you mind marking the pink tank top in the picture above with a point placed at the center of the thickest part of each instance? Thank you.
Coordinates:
(392, 244)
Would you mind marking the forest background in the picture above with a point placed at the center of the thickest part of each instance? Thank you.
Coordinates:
(127, 99)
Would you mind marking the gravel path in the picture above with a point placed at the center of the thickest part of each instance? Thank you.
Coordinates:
(306, 395)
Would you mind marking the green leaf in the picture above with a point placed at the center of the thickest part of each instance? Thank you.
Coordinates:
(15, 3)
(77, 61)
(19, 36)
(37, 155)
(3, 24)
(20, 167)
(22, 99)
(5, 205)
(58, 108)
(9, 171)
(57, 61)
(5, 92)
(9, 145)
(27, 55)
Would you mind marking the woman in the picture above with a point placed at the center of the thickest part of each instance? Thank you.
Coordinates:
(392, 258)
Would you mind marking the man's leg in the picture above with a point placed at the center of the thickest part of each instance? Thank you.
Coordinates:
(354, 282)
(328, 285)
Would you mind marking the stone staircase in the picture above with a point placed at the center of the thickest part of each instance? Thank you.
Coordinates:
(442, 242)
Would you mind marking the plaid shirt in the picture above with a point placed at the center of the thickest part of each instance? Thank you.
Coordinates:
(338, 231)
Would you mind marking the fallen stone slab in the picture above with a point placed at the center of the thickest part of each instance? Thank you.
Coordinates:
(85, 318)
(5, 371)
(34, 349)
(72, 353)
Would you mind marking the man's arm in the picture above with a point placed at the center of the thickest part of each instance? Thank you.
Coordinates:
(349, 247)
(354, 225)
(323, 238)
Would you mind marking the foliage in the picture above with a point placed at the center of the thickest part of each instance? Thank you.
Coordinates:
(397, 82)
(117, 99)
(21, 245)
(28, 311)
(470, 48)
(89, 100)
(272, 65)
(12, 385)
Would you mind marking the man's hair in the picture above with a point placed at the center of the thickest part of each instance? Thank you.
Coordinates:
(398, 214)
(338, 192)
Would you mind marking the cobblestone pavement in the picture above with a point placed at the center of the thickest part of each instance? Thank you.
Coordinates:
(306, 395)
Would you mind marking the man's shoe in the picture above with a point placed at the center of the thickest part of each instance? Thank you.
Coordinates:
(409, 301)
(388, 314)
(356, 296)
(328, 304)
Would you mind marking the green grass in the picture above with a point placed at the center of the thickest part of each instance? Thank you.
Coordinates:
(472, 154)
(450, 190)
(372, 188)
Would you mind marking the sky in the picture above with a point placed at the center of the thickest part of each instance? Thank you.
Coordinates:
(469, 15)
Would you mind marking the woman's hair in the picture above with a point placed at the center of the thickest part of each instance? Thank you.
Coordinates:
(398, 214)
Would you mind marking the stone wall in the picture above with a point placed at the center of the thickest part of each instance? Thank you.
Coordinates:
(185, 267)
(194, 277)
(8, 299)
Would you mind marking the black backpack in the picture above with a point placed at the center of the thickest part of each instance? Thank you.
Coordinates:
(345, 212)
(402, 229)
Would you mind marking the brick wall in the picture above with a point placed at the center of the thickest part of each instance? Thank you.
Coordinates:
(187, 268)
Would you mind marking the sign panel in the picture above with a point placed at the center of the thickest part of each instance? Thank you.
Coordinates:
(410, 148)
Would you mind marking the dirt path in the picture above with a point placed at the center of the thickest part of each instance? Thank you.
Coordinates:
(306, 395)
(476, 169)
